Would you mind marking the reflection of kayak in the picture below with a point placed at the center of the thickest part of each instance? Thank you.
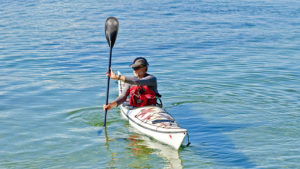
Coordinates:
(143, 145)
(154, 121)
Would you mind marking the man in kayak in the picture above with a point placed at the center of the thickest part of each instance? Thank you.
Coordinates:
(141, 89)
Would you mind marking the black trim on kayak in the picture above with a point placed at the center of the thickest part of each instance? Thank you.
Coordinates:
(184, 132)
(161, 121)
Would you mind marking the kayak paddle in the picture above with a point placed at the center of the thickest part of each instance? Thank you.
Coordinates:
(111, 32)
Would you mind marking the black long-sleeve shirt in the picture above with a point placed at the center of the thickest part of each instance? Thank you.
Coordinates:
(148, 80)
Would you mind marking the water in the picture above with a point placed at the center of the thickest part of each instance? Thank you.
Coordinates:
(228, 72)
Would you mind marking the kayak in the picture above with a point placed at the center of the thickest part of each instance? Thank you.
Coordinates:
(154, 122)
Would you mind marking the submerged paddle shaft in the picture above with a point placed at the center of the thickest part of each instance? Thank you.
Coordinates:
(111, 32)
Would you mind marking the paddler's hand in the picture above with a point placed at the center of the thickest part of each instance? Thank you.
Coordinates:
(112, 75)
(110, 105)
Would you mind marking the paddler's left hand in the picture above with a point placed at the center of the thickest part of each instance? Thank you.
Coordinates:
(110, 105)
(112, 75)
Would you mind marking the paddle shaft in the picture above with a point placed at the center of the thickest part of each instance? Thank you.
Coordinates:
(107, 87)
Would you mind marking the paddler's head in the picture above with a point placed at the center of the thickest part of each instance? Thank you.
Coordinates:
(139, 66)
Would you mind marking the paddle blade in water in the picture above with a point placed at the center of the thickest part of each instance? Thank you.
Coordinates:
(111, 30)
(100, 131)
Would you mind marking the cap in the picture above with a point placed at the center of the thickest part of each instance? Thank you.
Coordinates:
(139, 62)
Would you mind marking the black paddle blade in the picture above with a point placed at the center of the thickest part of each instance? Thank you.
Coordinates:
(111, 30)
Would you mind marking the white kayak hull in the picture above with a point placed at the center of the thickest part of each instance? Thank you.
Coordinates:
(172, 137)
(154, 122)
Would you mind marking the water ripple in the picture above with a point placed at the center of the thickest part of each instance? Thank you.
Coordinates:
(227, 70)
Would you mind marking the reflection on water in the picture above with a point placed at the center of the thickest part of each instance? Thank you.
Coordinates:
(113, 158)
(142, 145)
(137, 147)
(121, 145)
(222, 67)
(140, 152)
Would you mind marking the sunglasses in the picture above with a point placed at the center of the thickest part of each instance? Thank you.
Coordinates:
(136, 68)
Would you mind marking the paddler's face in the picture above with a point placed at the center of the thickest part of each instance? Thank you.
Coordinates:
(139, 72)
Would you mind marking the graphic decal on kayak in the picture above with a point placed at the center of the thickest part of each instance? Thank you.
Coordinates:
(156, 117)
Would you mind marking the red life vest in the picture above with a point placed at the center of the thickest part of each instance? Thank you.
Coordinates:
(141, 96)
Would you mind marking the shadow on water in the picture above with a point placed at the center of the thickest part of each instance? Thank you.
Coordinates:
(208, 140)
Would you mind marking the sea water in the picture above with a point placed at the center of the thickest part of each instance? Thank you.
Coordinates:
(228, 71)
